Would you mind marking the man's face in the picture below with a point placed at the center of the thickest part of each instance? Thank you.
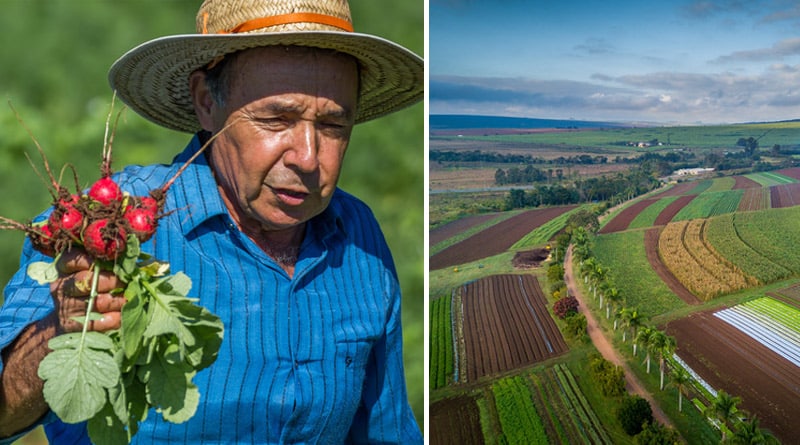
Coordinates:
(293, 112)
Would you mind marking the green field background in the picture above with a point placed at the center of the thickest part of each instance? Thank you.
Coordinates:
(55, 58)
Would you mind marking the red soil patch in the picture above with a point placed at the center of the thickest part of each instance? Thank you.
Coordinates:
(455, 421)
(651, 249)
(453, 228)
(624, 218)
(672, 209)
(728, 359)
(793, 172)
(506, 326)
(753, 199)
(496, 239)
(784, 195)
(743, 182)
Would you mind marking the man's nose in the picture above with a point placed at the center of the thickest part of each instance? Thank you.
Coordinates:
(302, 154)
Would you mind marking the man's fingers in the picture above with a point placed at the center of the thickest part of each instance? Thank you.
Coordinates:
(105, 303)
(110, 320)
(74, 260)
(79, 284)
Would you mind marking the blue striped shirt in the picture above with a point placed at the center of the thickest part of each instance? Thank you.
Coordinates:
(316, 358)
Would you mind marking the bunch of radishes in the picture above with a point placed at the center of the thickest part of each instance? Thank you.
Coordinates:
(99, 220)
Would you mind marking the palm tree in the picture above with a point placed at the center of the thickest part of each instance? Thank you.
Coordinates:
(623, 316)
(645, 338)
(666, 345)
(635, 321)
(613, 296)
(681, 380)
(724, 408)
(598, 275)
(749, 433)
(587, 267)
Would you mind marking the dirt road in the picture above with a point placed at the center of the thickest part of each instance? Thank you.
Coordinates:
(604, 345)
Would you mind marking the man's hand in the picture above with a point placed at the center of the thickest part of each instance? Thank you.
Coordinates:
(71, 291)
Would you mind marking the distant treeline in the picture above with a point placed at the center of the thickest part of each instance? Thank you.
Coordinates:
(613, 189)
(501, 158)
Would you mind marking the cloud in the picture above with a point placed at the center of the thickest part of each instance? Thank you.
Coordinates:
(778, 51)
(595, 46)
(660, 96)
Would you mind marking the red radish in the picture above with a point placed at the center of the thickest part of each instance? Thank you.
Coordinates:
(43, 239)
(69, 219)
(105, 191)
(104, 241)
(142, 222)
(148, 203)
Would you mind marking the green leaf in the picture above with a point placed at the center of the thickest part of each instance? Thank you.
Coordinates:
(105, 428)
(176, 284)
(43, 272)
(75, 381)
(93, 340)
(133, 320)
(169, 386)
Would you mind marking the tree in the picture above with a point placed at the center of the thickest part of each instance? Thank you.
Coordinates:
(635, 321)
(633, 413)
(750, 145)
(613, 296)
(645, 338)
(724, 408)
(749, 433)
(665, 345)
(681, 379)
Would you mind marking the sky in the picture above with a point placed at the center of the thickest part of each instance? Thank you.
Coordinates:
(667, 62)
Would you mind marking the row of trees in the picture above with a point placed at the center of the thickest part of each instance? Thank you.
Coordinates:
(736, 425)
(492, 157)
(611, 189)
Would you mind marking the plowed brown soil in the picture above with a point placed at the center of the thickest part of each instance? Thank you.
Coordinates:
(672, 209)
(455, 421)
(623, 219)
(728, 359)
(743, 182)
(506, 326)
(496, 239)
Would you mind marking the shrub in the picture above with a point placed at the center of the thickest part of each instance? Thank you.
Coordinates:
(576, 326)
(633, 413)
(608, 376)
(555, 273)
(565, 307)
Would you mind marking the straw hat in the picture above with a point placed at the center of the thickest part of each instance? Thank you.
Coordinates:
(152, 78)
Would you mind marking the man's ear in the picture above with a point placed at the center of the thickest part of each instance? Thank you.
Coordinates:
(202, 100)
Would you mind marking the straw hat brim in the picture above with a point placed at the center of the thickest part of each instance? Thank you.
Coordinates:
(153, 78)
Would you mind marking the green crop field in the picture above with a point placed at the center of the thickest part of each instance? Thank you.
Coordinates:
(785, 134)
(623, 254)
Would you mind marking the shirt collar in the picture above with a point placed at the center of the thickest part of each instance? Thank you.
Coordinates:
(195, 193)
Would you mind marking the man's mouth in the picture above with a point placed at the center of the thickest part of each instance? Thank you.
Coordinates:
(290, 197)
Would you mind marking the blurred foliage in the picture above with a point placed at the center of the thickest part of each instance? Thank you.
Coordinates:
(55, 58)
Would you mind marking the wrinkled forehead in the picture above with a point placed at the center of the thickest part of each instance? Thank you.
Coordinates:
(271, 71)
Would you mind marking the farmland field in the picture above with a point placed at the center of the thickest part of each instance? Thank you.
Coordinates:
(624, 254)
(495, 239)
(740, 231)
(441, 361)
(729, 359)
(506, 326)
(455, 421)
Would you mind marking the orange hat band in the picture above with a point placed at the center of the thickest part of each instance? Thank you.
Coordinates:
(283, 19)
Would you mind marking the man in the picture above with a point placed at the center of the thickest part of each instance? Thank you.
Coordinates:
(297, 269)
